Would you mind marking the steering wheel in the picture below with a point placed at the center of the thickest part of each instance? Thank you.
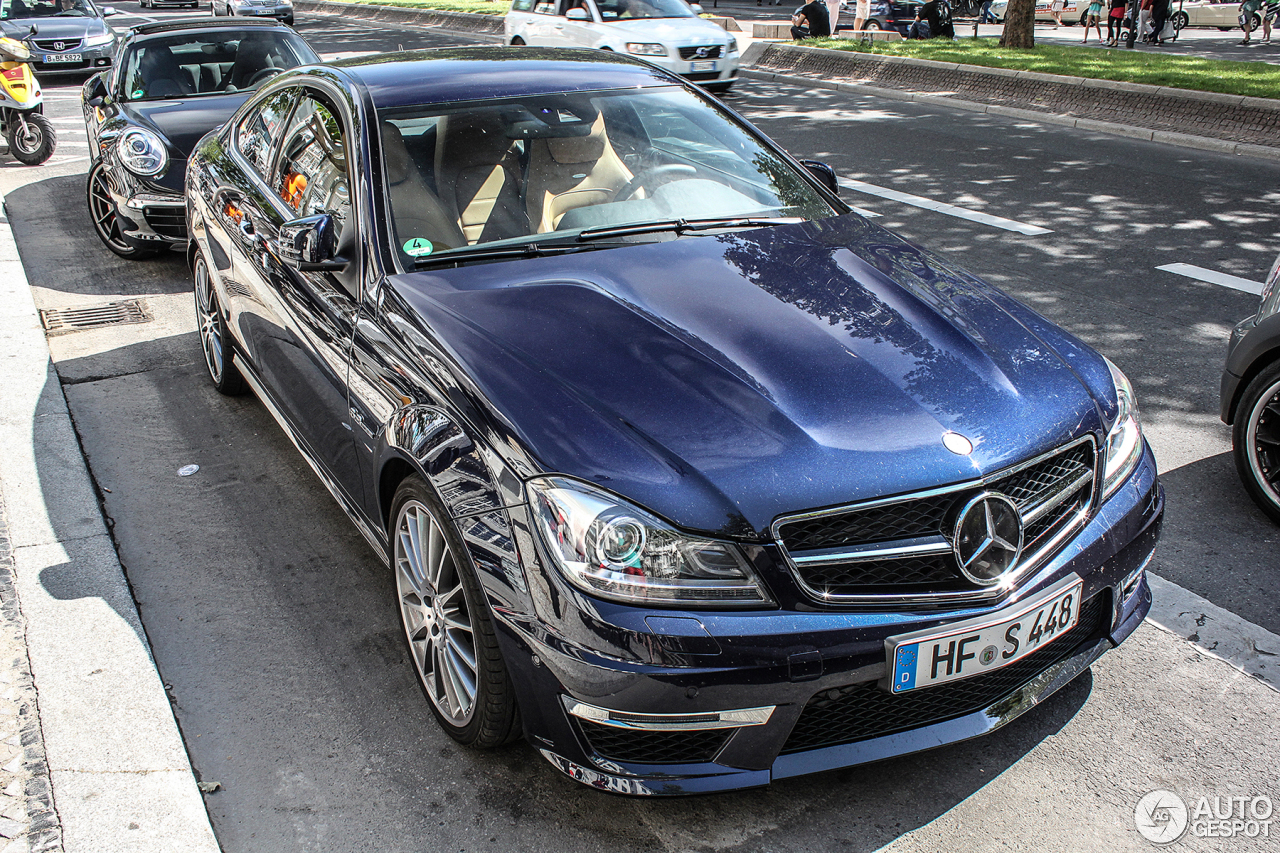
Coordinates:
(262, 75)
(648, 175)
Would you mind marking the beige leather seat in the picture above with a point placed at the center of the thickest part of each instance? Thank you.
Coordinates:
(478, 173)
(572, 172)
(418, 211)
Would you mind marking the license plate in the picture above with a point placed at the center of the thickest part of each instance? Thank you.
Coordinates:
(705, 65)
(62, 57)
(974, 646)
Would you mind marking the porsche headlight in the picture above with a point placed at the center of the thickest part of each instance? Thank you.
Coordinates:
(613, 549)
(142, 152)
(640, 48)
(1123, 446)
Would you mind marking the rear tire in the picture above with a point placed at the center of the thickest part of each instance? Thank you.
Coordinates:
(1180, 20)
(516, 41)
(35, 145)
(1255, 440)
(452, 644)
(872, 25)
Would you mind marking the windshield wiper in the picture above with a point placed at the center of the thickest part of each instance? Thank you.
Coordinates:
(680, 226)
(480, 253)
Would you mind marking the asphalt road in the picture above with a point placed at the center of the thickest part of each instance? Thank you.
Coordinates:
(274, 626)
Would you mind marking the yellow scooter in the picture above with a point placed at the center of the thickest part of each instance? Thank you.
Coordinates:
(30, 136)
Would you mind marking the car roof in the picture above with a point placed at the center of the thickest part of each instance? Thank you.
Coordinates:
(189, 24)
(445, 75)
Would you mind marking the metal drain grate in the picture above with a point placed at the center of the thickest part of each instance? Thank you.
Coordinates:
(111, 314)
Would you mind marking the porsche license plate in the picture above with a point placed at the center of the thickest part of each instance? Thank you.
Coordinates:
(62, 57)
(704, 65)
(974, 646)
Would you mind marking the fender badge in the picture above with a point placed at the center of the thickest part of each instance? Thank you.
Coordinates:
(957, 443)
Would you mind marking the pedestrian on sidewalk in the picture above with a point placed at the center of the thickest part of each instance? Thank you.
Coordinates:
(1093, 18)
(1055, 9)
(1159, 15)
(1269, 16)
(833, 15)
(1144, 18)
(1247, 10)
(810, 21)
(1114, 19)
(862, 11)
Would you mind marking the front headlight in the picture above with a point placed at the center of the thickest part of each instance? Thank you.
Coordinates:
(733, 45)
(610, 548)
(1270, 293)
(142, 152)
(641, 48)
(1123, 447)
(99, 40)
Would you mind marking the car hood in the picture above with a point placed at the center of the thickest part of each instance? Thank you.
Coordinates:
(722, 381)
(182, 122)
(55, 28)
(679, 31)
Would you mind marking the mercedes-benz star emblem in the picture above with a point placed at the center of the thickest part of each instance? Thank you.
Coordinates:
(988, 538)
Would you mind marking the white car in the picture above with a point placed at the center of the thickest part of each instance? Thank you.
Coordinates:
(1209, 13)
(1072, 10)
(668, 33)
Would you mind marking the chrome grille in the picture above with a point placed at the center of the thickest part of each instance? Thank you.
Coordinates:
(712, 51)
(57, 45)
(900, 550)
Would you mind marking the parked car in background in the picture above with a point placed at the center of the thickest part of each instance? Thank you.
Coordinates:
(889, 15)
(667, 33)
(1211, 13)
(71, 35)
(281, 10)
(681, 468)
(1251, 397)
(176, 80)
(157, 4)
(1072, 11)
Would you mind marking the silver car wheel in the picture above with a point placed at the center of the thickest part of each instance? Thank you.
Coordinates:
(1263, 437)
(210, 327)
(435, 613)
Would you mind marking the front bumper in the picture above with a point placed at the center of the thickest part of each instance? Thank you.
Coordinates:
(149, 216)
(722, 69)
(87, 58)
(280, 13)
(816, 669)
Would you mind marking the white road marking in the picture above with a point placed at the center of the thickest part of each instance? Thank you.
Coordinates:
(1244, 285)
(943, 207)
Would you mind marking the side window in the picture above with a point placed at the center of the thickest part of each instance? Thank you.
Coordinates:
(311, 176)
(545, 8)
(522, 5)
(260, 127)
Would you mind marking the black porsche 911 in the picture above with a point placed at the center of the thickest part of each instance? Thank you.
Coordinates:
(172, 83)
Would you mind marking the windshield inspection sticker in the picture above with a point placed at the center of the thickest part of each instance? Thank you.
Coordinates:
(418, 247)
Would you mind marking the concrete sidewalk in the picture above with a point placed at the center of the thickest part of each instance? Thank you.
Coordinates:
(102, 767)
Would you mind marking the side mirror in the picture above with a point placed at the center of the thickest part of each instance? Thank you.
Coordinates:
(95, 92)
(577, 13)
(309, 244)
(824, 173)
(108, 11)
(696, 7)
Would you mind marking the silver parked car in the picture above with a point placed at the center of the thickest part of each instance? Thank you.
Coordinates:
(281, 10)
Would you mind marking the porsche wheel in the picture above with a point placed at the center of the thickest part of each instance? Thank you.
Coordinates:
(102, 209)
(452, 644)
(1255, 440)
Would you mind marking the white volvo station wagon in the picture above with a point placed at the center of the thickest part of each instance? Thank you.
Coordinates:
(668, 33)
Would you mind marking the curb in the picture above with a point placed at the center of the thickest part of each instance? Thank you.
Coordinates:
(119, 771)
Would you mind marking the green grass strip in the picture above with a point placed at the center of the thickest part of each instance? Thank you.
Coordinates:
(1257, 79)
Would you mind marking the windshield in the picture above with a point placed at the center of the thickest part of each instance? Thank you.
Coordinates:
(545, 169)
(624, 10)
(12, 9)
(209, 63)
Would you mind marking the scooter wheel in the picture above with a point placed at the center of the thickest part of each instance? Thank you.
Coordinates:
(35, 145)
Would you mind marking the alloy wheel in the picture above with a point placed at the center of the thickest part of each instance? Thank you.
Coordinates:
(210, 323)
(1262, 434)
(435, 613)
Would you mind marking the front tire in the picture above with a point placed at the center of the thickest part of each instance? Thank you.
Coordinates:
(102, 210)
(872, 24)
(34, 145)
(1255, 440)
(516, 41)
(1180, 20)
(452, 644)
(223, 373)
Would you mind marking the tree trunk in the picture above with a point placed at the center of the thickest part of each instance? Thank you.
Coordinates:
(1019, 24)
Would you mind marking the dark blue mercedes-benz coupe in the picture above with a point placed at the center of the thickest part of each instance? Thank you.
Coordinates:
(685, 472)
